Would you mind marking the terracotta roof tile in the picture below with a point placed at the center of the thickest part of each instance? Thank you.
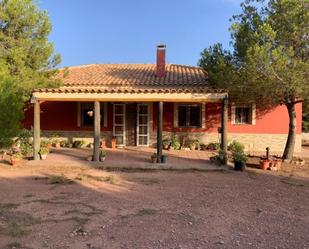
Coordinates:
(131, 78)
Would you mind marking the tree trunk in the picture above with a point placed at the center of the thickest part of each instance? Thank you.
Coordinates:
(290, 143)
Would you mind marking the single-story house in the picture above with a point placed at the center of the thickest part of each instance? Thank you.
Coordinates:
(140, 103)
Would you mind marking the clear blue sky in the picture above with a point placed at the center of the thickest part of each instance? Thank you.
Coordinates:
(127, 31)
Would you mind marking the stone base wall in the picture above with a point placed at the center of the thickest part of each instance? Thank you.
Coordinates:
(87, 136)
(254, 143)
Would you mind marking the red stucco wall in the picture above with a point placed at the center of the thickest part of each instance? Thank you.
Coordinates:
(63, 116)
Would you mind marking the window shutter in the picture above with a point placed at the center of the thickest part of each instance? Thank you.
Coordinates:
(175, 115)
(253, 114)
(78, 114)
(233, 113)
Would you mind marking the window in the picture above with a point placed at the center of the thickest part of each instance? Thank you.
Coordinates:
(245, 114)
(189, 115)
(242, 115)
(87, 114)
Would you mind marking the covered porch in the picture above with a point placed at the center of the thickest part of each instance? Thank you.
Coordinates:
(143, 123)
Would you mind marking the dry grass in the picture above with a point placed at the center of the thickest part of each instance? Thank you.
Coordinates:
(15, 223)
(59, 179)
(85, 177)
(146, 211)
(293, 182)
(143, 180)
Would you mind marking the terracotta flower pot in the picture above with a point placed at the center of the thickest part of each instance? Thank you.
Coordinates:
(264, 164)
(57, 145)
(103, 144)
(277, 163)
(15, 161)
(166, 146)
(113, 143)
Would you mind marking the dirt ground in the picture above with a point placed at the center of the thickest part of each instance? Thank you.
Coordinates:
(81, 207)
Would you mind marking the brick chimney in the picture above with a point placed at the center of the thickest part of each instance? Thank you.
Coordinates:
(161, 48)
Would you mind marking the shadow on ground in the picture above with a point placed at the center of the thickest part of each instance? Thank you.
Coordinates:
(80, 207)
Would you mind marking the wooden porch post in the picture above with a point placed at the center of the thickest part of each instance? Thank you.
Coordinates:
(159, 131)
(36, 131)
(224, 128)
(97, 129)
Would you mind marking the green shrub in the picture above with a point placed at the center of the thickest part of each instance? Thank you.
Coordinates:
(237, 150)
(213, 146)
(239, 157)
(45, 143)
(166, 142)
(17, 155)
(65, 143)
(236, 147)
(175, 144)
(203, 146)
(44, 151)
(25, 142)
(78, 143)
(103, 153)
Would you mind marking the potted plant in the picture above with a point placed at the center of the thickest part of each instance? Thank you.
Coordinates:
(114, 141)
(56, 142)
(175, 144)
(154, 158)
(239, 161)
(192, 144)
(78, 143)
(64, 143)
(103, 144)
(44, 151)
(222, 157)
(166, 144)
(163, 158)
(264, 164)
(213, 146)
(277, 163)
(46, 143)
(103, 141)
(238, 154)
(103, 154)
(15, 158)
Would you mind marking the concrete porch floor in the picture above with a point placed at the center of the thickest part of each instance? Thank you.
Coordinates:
(130, 158)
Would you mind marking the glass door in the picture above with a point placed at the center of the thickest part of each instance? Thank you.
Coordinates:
(119, 124)
(143, 124)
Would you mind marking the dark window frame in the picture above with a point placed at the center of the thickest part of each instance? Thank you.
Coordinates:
(240, 115)
(188, 116)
